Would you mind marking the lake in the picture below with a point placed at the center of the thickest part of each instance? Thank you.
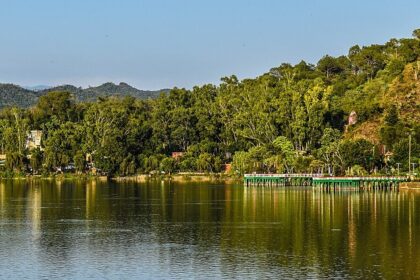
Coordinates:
(98, 230)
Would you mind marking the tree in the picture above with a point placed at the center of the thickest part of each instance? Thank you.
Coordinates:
(359, 152)
(356, 170)
(392, 130)
(391, 116)
(79, 161)
(275, 163)
(317, 104)
(416, 33)
(168, 165)
(332, 66)
(284, 148)
(36, 159)
(289, 119)
(61, 145)
(204, 162)
(370, 59)
(401, 151)
(15, 162)
(330, 151)
(302, 164)
(55, 103)
(242, 163)
(127, 166)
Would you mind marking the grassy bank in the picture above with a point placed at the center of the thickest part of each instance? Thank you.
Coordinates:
(182, 177)
(410, 186)
(49, 176)
(179, 177)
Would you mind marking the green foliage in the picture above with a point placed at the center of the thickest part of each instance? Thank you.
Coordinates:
(36, 159)
(285, 149)
(13, 95)
(61, 145)
(55, 103)
(302, 164)
(15, 162)
(391, 116)
(356, 170)
(416, 33)
(79, 161)
(168, 165)
(330, 152)
(291, 119)
(401, 152)
(14, 126)
(392, 130)
(127, 166)
(359, 152)
(329, 65)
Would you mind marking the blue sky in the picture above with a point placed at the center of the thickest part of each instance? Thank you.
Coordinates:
(164, 43)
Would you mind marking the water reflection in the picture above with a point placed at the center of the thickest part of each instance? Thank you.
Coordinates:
(106, 230)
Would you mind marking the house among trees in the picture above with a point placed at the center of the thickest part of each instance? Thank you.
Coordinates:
(33, 140)
(2, 159)
(388, 156)
(177, 155)
(353, 118)
(227, 167)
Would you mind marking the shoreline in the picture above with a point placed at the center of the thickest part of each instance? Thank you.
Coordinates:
(141, 178)
(176, 178)
(181, 178)
(410, 186)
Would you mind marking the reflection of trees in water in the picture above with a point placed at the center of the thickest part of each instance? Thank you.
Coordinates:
(348, 233)
(312, 229)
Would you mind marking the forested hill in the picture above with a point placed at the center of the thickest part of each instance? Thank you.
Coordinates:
(13, 95)
(353, 114)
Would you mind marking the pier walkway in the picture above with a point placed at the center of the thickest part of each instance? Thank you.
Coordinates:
(320, 181)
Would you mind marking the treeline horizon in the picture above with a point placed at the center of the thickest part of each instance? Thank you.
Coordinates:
(293, 118)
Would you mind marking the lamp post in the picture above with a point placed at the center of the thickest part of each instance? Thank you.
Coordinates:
(373, 157)
(409, 153)
(398, 168)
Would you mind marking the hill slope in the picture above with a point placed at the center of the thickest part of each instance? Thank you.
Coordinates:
(13, 95)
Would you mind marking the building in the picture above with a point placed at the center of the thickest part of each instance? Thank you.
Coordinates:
(353, 118)
(227, 168)
(388, 156)
(2, 159)
(33, 140)
(177, 155)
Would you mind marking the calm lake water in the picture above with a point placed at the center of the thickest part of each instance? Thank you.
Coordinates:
(68, 230)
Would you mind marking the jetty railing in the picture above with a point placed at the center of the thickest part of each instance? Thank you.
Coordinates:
(324, 182)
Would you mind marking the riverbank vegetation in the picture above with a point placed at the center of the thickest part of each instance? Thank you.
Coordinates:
(294, 118)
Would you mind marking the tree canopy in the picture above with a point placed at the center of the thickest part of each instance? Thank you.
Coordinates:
(292, 118)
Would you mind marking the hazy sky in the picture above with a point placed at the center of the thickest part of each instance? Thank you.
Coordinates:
(157, 44)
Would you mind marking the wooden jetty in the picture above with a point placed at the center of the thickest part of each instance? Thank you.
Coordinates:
(322, 182)
(362, 183)
(279, 180)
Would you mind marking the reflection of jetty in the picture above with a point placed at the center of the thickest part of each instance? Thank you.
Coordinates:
(333, 183)
(316, 180)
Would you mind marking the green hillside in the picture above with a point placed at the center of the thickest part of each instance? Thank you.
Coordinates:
(13, 95)
(294, 118)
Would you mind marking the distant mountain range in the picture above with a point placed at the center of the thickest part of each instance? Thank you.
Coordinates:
(37, 87)
(14, 95)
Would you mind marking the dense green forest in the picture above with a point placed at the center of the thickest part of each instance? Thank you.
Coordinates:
(13, 95)
(294, 118)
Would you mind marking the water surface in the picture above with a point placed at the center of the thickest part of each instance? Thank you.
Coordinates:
(94, 230)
